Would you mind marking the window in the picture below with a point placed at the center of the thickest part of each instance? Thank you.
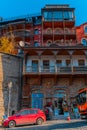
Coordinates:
(55, 16)
(48, 15)
(57, 42)
(81, 63)
(85, 29)
(68, 62)
(46, 64)
(36, 44)
(59, 63)
(84, 42)
(81, 98)
(34, 65)
(66, 15)
(58, 15)
(49, 31)
(58, 30)
(36, 31)
(24, 112)
(33, 111)
(49, 43)
(71, 15)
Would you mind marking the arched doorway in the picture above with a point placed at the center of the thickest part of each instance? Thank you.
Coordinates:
(58, 97)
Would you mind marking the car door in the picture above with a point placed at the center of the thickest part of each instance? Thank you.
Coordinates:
(21, 117)
(32, 116)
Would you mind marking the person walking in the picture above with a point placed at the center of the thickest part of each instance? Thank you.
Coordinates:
(76, 111)
(65, 109)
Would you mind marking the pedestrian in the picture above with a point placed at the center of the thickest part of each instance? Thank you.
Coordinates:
(46, 111)
(65, 109)
(76, 111)
(50, 112)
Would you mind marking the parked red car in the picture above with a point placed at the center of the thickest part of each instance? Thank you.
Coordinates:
(25, 116)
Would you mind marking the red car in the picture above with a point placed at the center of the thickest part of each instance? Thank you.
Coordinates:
(25, 116)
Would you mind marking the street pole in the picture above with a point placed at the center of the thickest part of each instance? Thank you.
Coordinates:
(9, 96)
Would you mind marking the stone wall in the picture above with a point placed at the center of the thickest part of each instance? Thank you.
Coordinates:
(10, 83)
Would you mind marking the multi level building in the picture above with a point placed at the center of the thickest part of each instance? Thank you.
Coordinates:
(24, 28)
(55, 66)
(81, 32)
(58, 25)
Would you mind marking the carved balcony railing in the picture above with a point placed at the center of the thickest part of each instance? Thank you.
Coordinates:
(55, 70)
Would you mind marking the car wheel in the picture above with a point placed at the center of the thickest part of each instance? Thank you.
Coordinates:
(39, 121)
(12, 124)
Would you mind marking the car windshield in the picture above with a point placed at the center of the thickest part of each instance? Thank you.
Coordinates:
(82, 97)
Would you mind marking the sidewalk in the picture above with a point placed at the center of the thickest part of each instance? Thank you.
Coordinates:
(62, 117)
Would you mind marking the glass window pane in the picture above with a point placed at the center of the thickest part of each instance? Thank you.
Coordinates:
(36, 31)
(48, 15)
(36, 44)
(59, 63)
(81, 62)
(34, 65)
(57, 15)
(85, 29)
(84, 42)
(68, 62)
(66, 15)
(71, 15)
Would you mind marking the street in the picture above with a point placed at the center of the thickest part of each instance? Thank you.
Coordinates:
(74, 124)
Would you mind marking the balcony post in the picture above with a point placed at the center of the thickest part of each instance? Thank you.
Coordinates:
(71, 52)
(55, 53)
(86, 58)
(39, 65)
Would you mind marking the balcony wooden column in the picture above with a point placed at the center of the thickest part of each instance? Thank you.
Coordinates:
(55, 55)
(39, 56)
(71, 78)
(86, 57)
(86, 65)
(71, 52)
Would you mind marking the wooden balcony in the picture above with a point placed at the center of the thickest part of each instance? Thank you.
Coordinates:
(55, 70)
(59, 31)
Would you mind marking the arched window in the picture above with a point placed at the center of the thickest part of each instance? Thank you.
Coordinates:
(49, 31)
(85, 29)
(84, 42)
(57, 30)
(66, 30)
(57, 42)
(49, 42)
(36, 44)
(36, 31)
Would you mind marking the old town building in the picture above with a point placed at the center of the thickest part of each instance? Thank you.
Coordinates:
(55, 63)
(10, 84)
(81, 32)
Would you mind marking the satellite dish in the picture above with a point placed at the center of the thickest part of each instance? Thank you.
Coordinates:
(21, 43)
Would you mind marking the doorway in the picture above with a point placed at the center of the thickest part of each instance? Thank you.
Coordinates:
(37, 100)
(60, 108)
(57, 101)
(58, 105)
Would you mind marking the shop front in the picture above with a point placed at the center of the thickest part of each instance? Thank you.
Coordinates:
(55, 101)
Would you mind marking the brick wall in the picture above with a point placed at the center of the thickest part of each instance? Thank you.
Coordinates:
(49, 88)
